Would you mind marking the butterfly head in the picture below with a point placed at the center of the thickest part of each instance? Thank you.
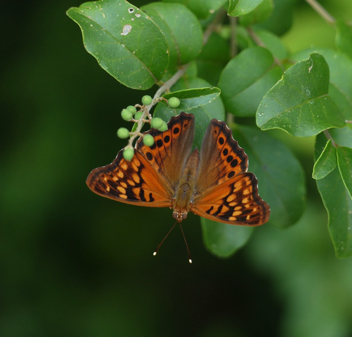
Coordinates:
(179, 215)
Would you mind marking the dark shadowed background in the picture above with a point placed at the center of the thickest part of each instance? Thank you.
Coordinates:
(75, 264)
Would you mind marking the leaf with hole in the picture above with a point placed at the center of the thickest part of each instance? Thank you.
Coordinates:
(340, 68)
(124, 41)
(299, 103)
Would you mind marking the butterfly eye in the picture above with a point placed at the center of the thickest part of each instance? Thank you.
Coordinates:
(225, 152)
(229, 159)
(167, 139)
(221, 141)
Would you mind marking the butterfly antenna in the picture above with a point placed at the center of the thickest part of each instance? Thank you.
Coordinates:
(156, 251)
(184, 238)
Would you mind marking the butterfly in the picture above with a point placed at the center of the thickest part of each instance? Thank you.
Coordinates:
(212, 183)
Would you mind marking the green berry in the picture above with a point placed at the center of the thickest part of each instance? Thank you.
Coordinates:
(146, 100)
(163, 127)
(123, 133)
(138, 115)
(126, 115)
(174, 102)
(156, 123)
(131, 109)
(128, 153)
(148, 140)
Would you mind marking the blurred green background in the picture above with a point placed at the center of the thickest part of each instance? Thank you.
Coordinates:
(75, 264)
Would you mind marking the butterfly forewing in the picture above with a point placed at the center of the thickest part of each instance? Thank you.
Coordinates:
(220, 157)
(131, 182)
(171, 148)
(151, 177)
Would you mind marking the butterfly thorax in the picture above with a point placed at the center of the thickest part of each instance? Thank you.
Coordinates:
(185, 189)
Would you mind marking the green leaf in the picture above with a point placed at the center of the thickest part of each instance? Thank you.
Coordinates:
(272, 42)
(326, 161)
(185, 40)
(340, 66)
(213, 58)
(276, 24)
(223, 240)
(203, 114)
(193, 98)
(342, 137)
(201, 8)
(259, 14)
(338, 204)
(125, 42)
(344, 38)
(242, 7)
(281, 180)
(299, 103)
(246, 79)
(344, 161)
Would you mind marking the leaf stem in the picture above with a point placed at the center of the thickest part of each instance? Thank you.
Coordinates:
(233, 43)
(328, 136)
(321, 11)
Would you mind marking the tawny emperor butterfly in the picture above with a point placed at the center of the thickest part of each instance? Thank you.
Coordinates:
(214, 183)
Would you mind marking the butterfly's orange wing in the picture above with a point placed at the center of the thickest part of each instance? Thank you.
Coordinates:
(225, 191)
(151, 177)
(131, 182)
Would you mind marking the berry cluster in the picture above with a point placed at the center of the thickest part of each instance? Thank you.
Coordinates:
(140, 117)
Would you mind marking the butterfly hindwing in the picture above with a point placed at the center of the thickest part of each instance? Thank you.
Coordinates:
(236, 202)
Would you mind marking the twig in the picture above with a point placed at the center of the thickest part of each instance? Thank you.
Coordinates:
(321, 11)
(146, 109)
(169, 83)
(214, 25)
